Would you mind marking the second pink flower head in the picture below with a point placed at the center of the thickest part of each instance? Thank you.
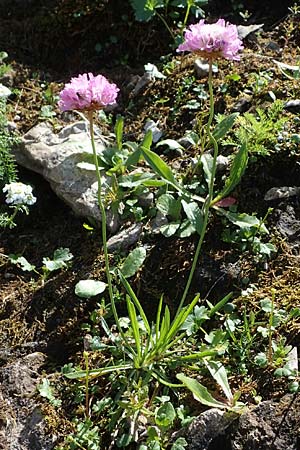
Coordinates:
(87, 93)
(212, 41)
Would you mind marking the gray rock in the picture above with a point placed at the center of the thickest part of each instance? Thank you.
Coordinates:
(141, 83)
(289, 225)
(126, 238)
(201, 68)
(278, 193)
(222, 163)
(208, 428)
(56, 158)
(292, 106)
(245, 30)
(22, 426)
(242, 105)
(146, 199)
(270, 425)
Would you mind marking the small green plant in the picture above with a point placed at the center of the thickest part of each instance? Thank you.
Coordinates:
(168, 11)
(61, 260)
(260, 130)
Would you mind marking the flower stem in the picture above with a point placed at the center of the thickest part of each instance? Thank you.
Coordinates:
(208, 200)
(103, 222)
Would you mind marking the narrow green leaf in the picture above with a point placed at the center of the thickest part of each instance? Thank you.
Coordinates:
(133, 262)
(157, 164)
(200, 392)
(134, 325)
(136, 301)
(81, 374)
(237, 170)
(133, 158)
(218, 372)
(224, 126)
(119, 131)
(207, 163)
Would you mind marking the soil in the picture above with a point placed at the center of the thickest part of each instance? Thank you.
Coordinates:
(49, 41)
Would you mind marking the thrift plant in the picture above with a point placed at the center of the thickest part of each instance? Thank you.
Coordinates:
(211, 41)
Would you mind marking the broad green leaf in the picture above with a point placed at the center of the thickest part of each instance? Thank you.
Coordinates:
(242, 220)
(133, 262)
(169, 229)
(141, 13)
(119, 131)
(200, 392)
(22, 262)
(237, 170)
(169, 206)
(61, 257)
(218, 372)
(224, 126)
(46, 391)
(194, 214)
(165, 415)
(266, 305)
(179, 444)
(186, 229)
(171, 143)
(89, 288)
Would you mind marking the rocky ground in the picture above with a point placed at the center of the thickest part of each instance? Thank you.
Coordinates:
(41, 320)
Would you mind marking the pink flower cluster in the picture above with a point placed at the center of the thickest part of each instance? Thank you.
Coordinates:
(87, 93)
(212, 41)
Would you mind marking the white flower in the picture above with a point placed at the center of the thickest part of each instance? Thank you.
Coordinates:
(19, 194)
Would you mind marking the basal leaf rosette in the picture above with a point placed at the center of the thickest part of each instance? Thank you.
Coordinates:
(87, 93)
(212, 41)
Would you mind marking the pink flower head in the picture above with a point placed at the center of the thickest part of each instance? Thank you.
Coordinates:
(212, 41)
(87, 92)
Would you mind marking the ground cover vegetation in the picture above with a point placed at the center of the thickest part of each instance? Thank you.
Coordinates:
(145, 340)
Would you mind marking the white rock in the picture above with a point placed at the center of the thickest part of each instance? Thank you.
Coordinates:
(56, 158)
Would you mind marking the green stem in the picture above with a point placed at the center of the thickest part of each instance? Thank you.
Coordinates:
(187, 13)
(87, 406)
(209, 197)
(165, 24)
(103, 222)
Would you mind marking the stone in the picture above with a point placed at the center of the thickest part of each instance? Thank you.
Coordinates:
(271, 425)
(278, 193)
(22, 426)
(202, 67)
(56, 158)
(125, 238)
(292, 106)
(288, 225)
(242, 105)
(246, 30)
(207, 431)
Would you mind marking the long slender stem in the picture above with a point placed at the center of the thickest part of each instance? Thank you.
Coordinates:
(209, 197)
(103, 222)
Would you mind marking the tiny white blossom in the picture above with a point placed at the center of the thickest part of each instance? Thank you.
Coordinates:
(19, 194)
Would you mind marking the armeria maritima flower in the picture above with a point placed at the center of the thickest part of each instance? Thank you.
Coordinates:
(87, 93)
(212, 41)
